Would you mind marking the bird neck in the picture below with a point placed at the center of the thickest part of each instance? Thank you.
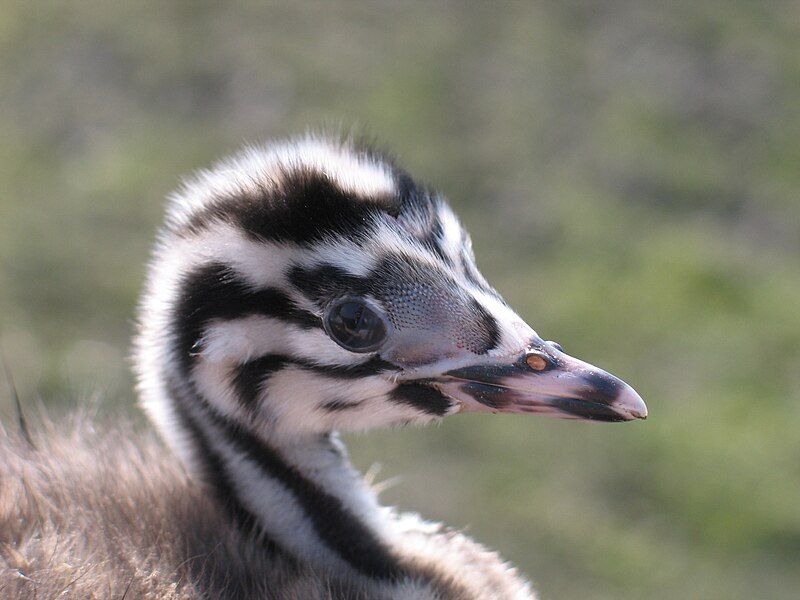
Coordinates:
(299, 494)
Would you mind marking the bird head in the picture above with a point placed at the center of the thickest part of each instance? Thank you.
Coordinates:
(314, 285)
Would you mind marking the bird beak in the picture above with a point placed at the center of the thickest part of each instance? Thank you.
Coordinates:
(543, 380)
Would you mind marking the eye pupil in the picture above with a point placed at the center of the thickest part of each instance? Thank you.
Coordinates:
(355, 326)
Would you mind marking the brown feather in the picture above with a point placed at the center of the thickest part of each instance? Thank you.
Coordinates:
(102, 510)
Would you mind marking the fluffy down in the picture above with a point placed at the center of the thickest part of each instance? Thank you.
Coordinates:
(99, 509)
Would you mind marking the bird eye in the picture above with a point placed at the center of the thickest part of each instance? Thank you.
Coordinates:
(354, 325)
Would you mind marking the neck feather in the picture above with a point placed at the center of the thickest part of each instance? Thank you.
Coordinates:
(297, 495)
(301, 498)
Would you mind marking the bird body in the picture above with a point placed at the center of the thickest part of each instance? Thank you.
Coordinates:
(100, 509)
(296, 291)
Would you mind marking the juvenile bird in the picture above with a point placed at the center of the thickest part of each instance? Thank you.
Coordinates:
(296, 290)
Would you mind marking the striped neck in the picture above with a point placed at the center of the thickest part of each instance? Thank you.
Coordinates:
(299, 496)
(240, 366)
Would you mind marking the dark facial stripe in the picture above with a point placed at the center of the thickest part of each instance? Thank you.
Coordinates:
(326, 282)
(336, 526)
(488, 395)
(373, 366)
(470, 272)
(407, 189)
(303, 207)
(490, 330)
(215, 291)
(252, 377)
(257, 368)
(421, 208)
(337, 405)
(433, 241)
(422, 397)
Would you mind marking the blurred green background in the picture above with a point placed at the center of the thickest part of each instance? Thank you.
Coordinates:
(631, 175)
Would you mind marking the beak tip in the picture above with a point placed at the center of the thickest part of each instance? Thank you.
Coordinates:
(630, 404)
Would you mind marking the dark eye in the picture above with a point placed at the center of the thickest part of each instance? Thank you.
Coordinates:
(354, 325)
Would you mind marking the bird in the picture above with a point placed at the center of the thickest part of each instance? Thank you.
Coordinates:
(298, 290)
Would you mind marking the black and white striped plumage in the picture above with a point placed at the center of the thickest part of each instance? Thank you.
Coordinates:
(254, 249)
(240, 366)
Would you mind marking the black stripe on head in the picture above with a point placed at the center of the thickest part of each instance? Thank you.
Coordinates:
(486, 328)
(470, 272)
(474, 276)
(250, 378)
(421, 397)
(216, 291)
(420, 206)
(489, 395)
(326, 282)
(338, 405)
(433, 241)
(336, 526)
(373, 366)
(302, 206)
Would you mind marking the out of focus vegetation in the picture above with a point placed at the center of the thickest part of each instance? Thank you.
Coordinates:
(631, 175)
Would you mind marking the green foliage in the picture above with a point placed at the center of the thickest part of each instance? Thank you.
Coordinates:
(630, 175)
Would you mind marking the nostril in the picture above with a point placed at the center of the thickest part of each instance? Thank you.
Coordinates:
(537, 362)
